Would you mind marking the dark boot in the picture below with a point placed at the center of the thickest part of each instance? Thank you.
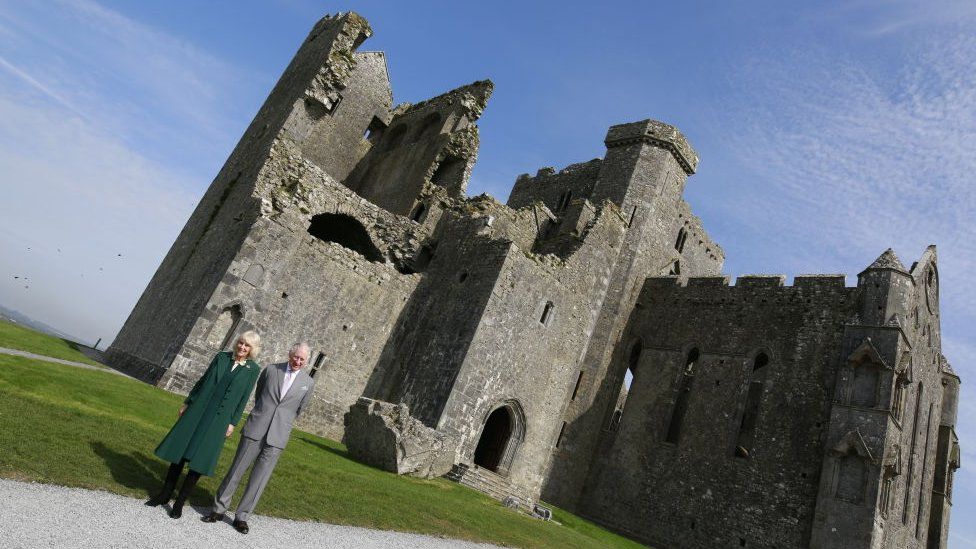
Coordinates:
(188, 483)
(162, 497)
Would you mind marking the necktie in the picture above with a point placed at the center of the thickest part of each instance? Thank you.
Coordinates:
(286, 384)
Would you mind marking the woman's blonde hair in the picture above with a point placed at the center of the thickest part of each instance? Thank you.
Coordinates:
(254, 340)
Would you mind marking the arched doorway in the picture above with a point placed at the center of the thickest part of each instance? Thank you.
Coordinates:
(500, 438)
(225, 327)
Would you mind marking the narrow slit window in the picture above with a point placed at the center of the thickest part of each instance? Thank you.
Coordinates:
(547, 313)
(911, 455)
(317, 364)
(564, 199)
(418, 212)
(579, 381)
(681, 399)
(746, 437)
(679, 243)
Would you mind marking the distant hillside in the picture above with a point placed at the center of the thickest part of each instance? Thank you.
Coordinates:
(18, 317)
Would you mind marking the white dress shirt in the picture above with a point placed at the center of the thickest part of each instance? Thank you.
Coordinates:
(289, 379)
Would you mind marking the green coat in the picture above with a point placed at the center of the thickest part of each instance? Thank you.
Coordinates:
(216, 401)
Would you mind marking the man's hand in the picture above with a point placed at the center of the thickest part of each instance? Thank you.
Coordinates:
(230, 430)
(182, 409)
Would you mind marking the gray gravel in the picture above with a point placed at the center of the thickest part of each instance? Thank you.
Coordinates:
(16, 352)
(43, 515)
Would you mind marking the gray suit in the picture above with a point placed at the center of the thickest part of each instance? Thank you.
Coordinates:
(264, 436)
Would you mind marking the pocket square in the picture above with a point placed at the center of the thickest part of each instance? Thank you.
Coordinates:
(304, 387)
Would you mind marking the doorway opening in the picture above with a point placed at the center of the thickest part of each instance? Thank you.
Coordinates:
(500, 438)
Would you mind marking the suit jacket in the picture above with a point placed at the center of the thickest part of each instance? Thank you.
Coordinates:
(216, 401)
(272, 415)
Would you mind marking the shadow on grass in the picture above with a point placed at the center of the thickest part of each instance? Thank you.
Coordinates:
(134, 470)
(341, 453)
(144, 472)
(327, 448)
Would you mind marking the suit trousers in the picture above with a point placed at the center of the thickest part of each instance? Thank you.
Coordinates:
(248, 451)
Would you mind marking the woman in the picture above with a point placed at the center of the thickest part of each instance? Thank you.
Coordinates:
(207, 417)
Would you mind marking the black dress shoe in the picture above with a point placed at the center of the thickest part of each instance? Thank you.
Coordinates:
(241, 526)
(177, 510)
(213, 517)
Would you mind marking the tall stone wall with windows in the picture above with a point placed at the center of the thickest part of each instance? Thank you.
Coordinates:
(766, 415)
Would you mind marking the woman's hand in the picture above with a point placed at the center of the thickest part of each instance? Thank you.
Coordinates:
(182, 409)
(230, 430)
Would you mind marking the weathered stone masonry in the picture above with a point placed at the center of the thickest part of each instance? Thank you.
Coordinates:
(492, 340)
(765, 415)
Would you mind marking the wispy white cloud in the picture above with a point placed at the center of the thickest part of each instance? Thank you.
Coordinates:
(15, 71)
(112, 130)
(154, 90)
(959, 540)
(852, 162)
(75, 199)
(882, 18)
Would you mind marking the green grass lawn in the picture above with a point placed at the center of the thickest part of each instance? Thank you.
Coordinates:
(15, 336)
(92, 429)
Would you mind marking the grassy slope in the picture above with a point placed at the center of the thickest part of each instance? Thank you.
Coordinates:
(15, 336)
(94, 430)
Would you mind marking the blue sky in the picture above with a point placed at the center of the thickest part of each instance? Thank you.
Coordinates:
(827, 132)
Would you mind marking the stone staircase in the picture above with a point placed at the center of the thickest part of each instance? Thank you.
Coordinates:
(490, 483)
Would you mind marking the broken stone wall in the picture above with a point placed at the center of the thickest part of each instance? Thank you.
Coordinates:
(435, 141)
(336, 144)
(293, 285)
(173, 302)
(556, 189)
(386, 436)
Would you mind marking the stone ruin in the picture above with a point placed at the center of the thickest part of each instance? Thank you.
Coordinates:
(490, 342)
(387, 437)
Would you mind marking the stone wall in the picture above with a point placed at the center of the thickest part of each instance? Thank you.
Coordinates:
(526, 352)
(693, 488)
(291, 285)
(434, 141)
(556, 189)
(173, 302)
(901, 435)
(644, 178)
(750, 420)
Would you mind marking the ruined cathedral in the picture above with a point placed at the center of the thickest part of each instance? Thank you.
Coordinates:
(760, 414)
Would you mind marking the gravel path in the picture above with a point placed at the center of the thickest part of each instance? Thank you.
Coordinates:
(16, 352)
(43, 515)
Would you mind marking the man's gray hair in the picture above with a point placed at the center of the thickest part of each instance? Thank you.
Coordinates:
(299, 347)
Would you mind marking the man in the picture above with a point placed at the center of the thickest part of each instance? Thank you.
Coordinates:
(283, 391)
